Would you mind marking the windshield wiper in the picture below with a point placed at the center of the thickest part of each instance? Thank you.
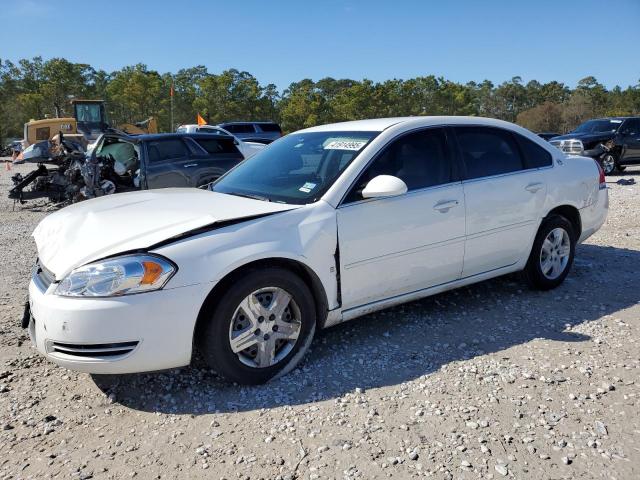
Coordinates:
(249, 195)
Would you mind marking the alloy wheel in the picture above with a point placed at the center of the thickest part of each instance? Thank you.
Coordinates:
(555, 252)
(265, 327)
(608, 164)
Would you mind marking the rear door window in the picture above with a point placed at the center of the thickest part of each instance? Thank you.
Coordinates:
(168, 149)
(217, 145)
(534, 155)
(488, 151)
(240, 128)
(269, 127)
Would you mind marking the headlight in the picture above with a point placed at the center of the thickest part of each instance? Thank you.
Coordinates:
(124, 275)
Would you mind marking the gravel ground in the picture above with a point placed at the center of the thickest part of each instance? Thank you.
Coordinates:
(489, 381)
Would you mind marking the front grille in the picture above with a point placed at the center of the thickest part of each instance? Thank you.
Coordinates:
(42, 277)
(93, 350)
(570, 147)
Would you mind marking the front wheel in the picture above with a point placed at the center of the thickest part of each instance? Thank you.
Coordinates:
(552, 254)
(260, 328)
(609, 163)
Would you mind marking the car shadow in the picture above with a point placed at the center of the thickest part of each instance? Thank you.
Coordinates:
(406, 342)
(629, 171)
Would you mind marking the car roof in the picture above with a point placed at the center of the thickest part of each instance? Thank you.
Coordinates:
(380, 124)
(160, 136)
(611, 118)
(187, 125)
(259, 122)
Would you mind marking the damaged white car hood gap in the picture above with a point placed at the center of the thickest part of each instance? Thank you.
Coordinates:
(109, 225)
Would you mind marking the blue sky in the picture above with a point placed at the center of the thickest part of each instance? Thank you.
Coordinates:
(284, 41)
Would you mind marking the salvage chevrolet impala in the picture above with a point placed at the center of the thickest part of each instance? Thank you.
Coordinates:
(327, 224)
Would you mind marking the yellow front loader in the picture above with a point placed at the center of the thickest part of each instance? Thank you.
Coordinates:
(88, 122)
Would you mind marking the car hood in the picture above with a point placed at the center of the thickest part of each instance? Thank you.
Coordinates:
(113, 224)
(585, 137)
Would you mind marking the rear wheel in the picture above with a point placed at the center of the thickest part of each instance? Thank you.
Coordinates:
(260, 328)
(552, 254)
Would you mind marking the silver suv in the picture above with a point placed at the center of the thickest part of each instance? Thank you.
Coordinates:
(261, 132)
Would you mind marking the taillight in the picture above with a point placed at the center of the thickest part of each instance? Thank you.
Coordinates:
(601, 180)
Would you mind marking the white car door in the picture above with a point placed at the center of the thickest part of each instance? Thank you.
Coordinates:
(503, 198)
(392, 246)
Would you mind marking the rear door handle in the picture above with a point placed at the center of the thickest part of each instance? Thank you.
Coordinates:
(445, 205)
(534, 187)
(187, 165)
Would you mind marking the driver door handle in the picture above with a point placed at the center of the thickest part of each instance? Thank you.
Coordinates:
(534, 187)
(445, 205)
(187, 165)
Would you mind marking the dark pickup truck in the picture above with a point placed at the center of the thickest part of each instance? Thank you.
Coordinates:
(614, 142)
(121, 163)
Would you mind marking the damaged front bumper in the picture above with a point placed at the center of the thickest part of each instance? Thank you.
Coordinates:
(575, 147)
(127, 334)
(597, 151)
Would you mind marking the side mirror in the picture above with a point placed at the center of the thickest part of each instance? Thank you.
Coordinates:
(384, 186)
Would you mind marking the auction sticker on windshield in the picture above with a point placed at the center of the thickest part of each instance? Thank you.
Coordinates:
(345, 145)
(307, 187)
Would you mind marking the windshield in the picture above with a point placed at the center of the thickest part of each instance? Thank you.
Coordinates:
(89, 113)
(296, 169)
(596, 126)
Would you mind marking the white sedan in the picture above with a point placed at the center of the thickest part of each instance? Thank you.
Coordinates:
(247, 149)
(327, 224)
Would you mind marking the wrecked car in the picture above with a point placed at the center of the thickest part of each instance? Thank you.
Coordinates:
(66, 178)
(325, 225)
(614, 142)
(121, 162)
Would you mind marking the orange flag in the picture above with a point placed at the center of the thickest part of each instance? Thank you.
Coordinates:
(201, 121)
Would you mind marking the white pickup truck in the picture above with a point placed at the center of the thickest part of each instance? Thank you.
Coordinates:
(248, 149)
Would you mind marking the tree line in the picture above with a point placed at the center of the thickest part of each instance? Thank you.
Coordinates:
(33, 88)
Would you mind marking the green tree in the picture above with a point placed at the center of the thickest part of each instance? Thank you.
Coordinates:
(33, 88)
(596, 94)
(302, 106)
(546, 117)
(136, 93)
(576, 110)
(232, 95)
(61, 81)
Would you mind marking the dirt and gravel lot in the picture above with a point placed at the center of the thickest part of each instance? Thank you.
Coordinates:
(490, 381)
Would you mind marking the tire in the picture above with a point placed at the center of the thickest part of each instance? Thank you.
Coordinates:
(609, 163)
(546, 269)
(264, 346)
